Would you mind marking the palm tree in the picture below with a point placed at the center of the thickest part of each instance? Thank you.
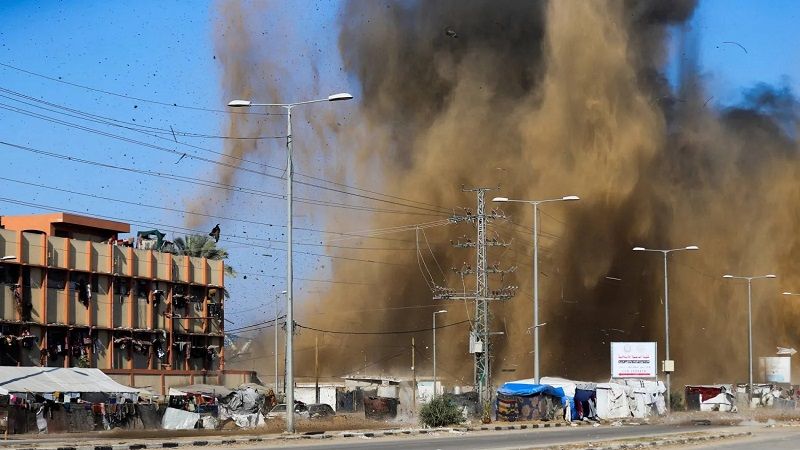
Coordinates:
(202, 246)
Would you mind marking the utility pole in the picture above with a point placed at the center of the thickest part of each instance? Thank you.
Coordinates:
(413, 377)
(316, 369)
(480, 345)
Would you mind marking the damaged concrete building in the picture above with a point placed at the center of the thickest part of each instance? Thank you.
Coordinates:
(72, 294)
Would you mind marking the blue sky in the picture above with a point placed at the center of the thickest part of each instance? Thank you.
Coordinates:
(164, 50)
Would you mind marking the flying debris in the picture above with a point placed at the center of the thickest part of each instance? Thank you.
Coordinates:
(451, 32)
(737, 44)
(215, 233)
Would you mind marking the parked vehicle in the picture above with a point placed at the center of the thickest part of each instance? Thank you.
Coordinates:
(307, 411)
(320, 411)
(279, 411)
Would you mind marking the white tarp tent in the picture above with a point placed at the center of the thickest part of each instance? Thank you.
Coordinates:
(178, 419)
(724, 401)
(46, 380)
(645, 397)
(612, 401)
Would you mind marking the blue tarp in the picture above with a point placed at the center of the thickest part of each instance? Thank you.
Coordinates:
(513, 388)
(526, 389)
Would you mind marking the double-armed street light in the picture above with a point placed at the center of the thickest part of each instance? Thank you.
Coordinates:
(289, 379)
(536, 204)
(749, 321)
(668, 364)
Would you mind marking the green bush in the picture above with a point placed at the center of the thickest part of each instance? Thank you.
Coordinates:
(440, 412)
(676, 401)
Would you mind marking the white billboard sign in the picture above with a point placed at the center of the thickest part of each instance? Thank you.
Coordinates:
(633, 360)
(776, 369)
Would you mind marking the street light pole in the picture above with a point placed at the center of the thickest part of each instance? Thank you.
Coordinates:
(289, 379)
(749, 324)
(535, 204)
(667, 370)
(434, 348)
(277, 297)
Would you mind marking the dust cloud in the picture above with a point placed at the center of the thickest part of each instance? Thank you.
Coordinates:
(539, 100)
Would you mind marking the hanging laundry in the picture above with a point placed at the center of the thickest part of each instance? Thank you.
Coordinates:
(99, 347)
(158, 295)
(83, 292)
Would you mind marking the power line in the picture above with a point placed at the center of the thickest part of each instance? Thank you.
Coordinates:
(181, 154)
(148, 129)
(105, 120)
(255, 325)
(207, 183)
(198, 214)
(182, 229)
(381, 332)
(129, 97)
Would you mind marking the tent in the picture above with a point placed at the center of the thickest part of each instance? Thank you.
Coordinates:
(581, 395)
(208, 390)
(645, 397)
(526, 400)
(47, 380)
(612, 401)
(697, 394)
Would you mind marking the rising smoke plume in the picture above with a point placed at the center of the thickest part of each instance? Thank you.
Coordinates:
(540, 100)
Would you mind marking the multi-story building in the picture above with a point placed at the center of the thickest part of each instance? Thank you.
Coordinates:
(73, 295)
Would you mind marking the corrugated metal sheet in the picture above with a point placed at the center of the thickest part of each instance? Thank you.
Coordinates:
(58, 379)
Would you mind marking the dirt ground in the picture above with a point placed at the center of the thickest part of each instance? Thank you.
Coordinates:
(355, 422)
(339, 422)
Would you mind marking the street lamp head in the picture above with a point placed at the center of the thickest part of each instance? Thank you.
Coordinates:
(770, 276)
(500, 199)
(569, 198)
(8, 258)
(692, 247)
(639, 249)
(239, 103)
(787, 293)
(441, 311)
(339, 97)
(727, 276)
(284, 292)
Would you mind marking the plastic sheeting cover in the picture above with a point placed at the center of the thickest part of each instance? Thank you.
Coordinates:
(178, 419)
(210, 390)
(522, 387)
(58, 379)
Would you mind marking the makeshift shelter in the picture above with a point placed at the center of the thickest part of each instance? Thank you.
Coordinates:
(208, 390)
(57, 399)
(645, 397)
(247, 405)
(581, 394)
(526, 400)
(380, 408)
(152, 239)
(612, 401)
(697, 394)
(70, 382)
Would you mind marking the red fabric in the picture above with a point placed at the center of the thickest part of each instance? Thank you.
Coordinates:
(705, 392)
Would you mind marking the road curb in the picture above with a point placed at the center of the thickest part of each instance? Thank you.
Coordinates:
(671, 441)
(381, 433)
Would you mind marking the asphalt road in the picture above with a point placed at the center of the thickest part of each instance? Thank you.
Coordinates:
(778, 438)
(495, 439)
